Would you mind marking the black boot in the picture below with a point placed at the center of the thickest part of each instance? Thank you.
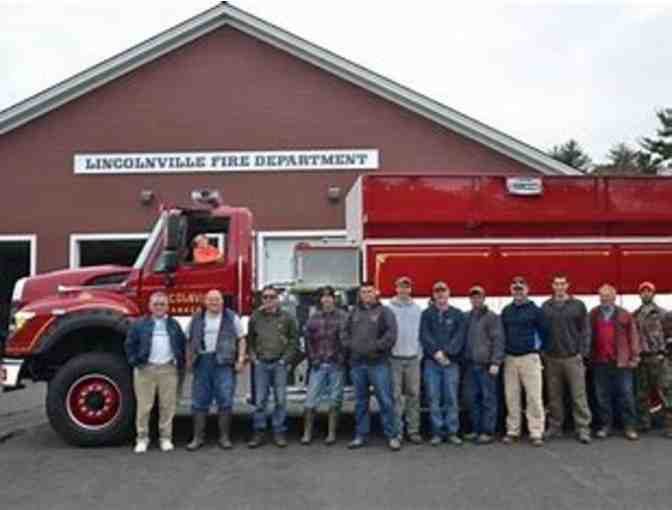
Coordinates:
(199, 419)
(308, 416)
(333, 426)
(224, 430)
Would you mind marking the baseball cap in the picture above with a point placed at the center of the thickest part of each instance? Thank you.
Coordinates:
(404, 281)
(477, 289)
(647, 285)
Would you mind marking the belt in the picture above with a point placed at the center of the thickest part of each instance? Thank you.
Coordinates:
(405, 358)
(271, 360)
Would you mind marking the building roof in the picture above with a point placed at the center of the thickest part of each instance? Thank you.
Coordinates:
(226, 14)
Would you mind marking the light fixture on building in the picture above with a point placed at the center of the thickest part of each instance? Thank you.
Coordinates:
(334, 193)
(146, 196)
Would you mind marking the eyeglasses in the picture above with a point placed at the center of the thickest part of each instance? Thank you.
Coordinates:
(267, 297)
(160, 303)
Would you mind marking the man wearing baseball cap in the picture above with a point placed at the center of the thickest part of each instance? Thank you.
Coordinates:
(654, 372)
(406, 360)
(483, 353)
(442, 339)
(525, 338)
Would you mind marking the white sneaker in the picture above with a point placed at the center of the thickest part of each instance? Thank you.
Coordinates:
(141, 446)
(166, 445)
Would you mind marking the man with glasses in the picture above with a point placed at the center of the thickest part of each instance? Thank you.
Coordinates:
(370, 334)
(525, 334)
(155, 348)
(272, 342)
(568, 346)
(442, 338)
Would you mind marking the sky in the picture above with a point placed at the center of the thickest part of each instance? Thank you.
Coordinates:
(539, 71)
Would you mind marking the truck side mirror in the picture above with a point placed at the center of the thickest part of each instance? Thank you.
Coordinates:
(175, 231)
(167, 262)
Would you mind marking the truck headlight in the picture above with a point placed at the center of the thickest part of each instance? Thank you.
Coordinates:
(19, 320)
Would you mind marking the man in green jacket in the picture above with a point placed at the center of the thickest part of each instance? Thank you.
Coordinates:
(272, 342)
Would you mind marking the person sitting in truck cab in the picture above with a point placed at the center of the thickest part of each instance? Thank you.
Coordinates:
(204, 252)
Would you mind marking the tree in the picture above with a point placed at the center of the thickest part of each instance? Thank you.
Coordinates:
(572, 154)
(660, 147)
(624, 160)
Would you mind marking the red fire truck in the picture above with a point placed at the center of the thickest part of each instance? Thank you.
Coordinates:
(68, 327)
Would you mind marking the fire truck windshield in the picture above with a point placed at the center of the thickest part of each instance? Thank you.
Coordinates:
(151, 241)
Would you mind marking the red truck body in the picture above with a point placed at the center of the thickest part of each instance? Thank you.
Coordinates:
(473, 229)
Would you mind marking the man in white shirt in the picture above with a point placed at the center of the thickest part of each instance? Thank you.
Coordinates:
(155, 348)
(216, 352)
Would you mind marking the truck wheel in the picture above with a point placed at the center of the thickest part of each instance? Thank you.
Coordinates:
(90, 400)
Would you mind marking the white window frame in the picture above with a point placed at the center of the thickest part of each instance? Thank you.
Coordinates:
(31, 239)
(263, 235)
(76, 239)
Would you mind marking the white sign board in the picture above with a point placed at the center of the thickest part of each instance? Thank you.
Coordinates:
(225, 161)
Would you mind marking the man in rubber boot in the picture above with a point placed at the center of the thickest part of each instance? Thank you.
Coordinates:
(216, 352)
(272, 341)
(653, 375)
(324, 333)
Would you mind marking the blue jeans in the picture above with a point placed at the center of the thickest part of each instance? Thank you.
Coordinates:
(266, 376)
(481, 395)
(378, 375)
(441, 383)
(212, 382)
(608, 380)
(325, 380)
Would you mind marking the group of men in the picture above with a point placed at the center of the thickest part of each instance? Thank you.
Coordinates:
(385, 349)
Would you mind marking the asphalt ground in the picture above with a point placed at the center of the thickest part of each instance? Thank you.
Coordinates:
(38, 470)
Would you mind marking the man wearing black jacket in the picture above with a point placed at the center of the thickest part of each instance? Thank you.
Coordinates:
(370, 334)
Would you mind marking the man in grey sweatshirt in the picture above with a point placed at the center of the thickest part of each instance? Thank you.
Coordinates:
(406, 360)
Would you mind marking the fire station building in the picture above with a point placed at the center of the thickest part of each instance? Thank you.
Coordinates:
(222, 101)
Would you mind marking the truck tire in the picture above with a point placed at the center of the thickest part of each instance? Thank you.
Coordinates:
(90, 400)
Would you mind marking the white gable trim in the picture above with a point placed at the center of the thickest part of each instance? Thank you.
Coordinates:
(226, 14)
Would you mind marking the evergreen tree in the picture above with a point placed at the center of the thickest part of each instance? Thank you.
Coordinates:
(660, 147)
(572, 154)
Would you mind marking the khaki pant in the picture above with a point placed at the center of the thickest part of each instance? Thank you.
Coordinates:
(147, 381)
(561, 372)
(406, 385)
(524, 371)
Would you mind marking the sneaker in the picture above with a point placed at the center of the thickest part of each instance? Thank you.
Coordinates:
(435, 441)
(631, 434)
(394, 444)
(471, 436)
(537, 441)
(455, 440)
(602, 433)
(667, 434)
(356, 443)
(510, 439)
(166, 445)
(141, 446)
(485, 439)
(584, 437)
(416, 438)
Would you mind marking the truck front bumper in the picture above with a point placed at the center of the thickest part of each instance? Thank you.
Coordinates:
(10, 371)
